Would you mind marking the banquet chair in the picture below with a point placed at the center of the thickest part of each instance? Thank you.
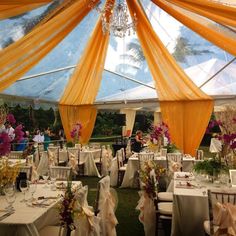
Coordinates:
(75, 152)
(15, 154)
(164, 212)
(199, 154)
(163, 152)
(98, 161)
(121, 167)
(174, 158)
(144, 157)
(107, 204)
(28, 170)
(60, 172)
(215, 199)
(55, 152)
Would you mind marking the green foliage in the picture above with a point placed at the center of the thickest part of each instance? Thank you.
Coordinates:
(171, 148)
(210, 167)
(69, 144)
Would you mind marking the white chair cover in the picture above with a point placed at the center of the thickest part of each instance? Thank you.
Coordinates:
(87, 224)
(147, 214)
(73, 162)
(43, 165)
(114, 172)
(106, 206)
(105, 161)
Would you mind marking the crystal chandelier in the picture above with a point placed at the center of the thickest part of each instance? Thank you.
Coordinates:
(118, 23)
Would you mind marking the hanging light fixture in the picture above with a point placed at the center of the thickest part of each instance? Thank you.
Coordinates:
(119, 22)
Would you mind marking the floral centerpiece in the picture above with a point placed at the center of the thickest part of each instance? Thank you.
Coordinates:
(5, 140)
(69, 209)
(8, 173)
(157, 135)
(150, 175)
(227, 123)
(76, 132)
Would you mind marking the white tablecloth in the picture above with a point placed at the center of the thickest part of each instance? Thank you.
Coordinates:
(133, 165)
(190, 206)
(28, 220)
(87, 157)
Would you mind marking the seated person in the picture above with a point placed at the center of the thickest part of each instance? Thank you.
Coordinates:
(138, 142)
(29, 150)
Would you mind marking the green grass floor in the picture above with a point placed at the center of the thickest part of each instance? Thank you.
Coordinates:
(126, 214)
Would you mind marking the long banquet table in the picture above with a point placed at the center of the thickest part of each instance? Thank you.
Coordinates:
(27, 220)
(86, 156)
(190, 205)
(133, 165)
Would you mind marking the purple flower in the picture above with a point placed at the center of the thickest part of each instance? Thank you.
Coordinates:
(19, 134)
(11, 119)
(5, 144)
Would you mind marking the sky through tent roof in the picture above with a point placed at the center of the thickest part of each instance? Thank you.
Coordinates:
(124, 56)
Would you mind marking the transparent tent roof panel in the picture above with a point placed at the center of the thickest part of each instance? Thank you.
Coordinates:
(124, 56)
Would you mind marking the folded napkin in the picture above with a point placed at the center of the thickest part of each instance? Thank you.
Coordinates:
(185, 185)
(184, 176)
(43, 202)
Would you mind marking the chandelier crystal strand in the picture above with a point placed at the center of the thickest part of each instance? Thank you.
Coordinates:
(118, 23)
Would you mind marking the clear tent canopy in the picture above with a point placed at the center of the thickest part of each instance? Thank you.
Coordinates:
(126, 76)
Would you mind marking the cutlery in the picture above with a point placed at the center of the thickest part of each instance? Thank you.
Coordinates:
(6, 215)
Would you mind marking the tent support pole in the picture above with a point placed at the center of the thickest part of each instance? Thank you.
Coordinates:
(71, 67)
(217, 72)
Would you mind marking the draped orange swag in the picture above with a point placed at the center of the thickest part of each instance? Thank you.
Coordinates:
(216, 11)
(184, 107)
(21, 56)
(223, 38)
(83, 85)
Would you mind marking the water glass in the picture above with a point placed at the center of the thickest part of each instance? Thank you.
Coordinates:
(32, 189)
(10, 195)
(45, 178)
(24, 187)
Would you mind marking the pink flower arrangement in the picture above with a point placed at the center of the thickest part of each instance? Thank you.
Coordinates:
(227, 135)
(160, 131)
(19, 134)
(5, 144)
(11, 119)
(76, 132)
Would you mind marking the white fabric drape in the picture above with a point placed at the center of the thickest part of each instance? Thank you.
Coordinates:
(130, 118)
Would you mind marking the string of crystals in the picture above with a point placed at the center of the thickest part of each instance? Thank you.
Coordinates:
(117, 22)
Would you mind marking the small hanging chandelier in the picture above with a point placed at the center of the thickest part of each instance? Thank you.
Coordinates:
(119, 22)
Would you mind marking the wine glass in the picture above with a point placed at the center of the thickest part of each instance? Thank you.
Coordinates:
(45, 178)
(32, 189)
(24, 187)
(10, 196)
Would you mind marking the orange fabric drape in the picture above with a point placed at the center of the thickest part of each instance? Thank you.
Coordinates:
(7, 11)
(23, 2)
(85, 114)
(21, 56)
(216, 11)
(184, 107)
(84, 83)
(223, 38)
(10, 8)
